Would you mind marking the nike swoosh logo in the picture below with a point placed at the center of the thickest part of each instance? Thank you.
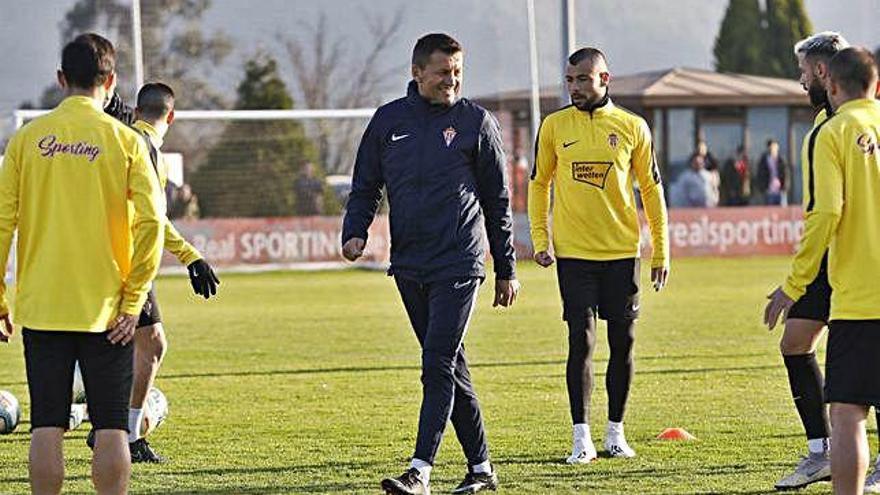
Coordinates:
(395, 137)
(566, 145)
(459, 285)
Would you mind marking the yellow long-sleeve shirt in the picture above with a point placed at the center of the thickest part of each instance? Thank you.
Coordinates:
(591, 159)
(842, 211)
(174, 242)
(65, 184)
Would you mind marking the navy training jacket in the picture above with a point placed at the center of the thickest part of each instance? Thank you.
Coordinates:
(445, 174)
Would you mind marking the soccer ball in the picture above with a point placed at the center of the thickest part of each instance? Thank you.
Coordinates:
(155, 411)
(10, 412)
(79, 389)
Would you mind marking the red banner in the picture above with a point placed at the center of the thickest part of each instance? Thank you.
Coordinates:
(262, 243)
(732, 231)
(276, 242)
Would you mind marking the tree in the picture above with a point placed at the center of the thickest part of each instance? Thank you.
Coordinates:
(357, 80)
(738, 44)
(250, 171)
(754, 42)
(787, 23)
(176, 50)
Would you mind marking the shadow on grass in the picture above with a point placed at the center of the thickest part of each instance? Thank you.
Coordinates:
(602, 475)
(508, 364)
(240, 487)
(381, 369)
(269, 489)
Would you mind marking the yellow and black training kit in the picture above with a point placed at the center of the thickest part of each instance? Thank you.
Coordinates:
(77, 186)
(842, 211)
(592, 157)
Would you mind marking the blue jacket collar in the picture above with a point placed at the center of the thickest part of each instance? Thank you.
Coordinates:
(418, 101)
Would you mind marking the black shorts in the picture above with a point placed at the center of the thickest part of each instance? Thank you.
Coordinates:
(609, 288)
(106, 370)
(852, 362)
(150, 314)
(815, 304)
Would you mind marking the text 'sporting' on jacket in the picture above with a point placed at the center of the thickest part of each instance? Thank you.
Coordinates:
(445, 171)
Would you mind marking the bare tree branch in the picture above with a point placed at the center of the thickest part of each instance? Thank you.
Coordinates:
(317, 66)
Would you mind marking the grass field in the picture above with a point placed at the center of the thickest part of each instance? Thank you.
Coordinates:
(308, 383)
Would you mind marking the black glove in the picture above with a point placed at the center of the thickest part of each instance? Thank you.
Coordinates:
(117, 108)
(201, 276)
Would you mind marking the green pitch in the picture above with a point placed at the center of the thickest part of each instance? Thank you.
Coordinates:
(309, 383)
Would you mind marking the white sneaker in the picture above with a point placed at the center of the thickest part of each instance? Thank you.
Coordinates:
(582, 454)
(872, 482)
(616, 446)
(811, 468)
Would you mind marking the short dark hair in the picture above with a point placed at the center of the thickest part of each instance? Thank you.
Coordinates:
(430, 43)
(854, 69)
(155, 100)
(822, 45)
(771, 141)
(593, 54)
(88, 61)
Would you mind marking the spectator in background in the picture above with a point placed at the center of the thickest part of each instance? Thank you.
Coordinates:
(185, 205)
(702, 150)
(772, 174)
(309, 191)
(736, 179)
(696, 187)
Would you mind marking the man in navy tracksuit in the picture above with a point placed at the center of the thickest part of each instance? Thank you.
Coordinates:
(440, 159)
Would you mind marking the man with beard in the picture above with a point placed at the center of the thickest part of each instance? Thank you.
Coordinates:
(805, 321)
(592, 152)
(841, 224)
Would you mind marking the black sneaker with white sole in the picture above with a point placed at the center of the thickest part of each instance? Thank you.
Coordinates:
(409, 483)
(475, 482)
(142, 452)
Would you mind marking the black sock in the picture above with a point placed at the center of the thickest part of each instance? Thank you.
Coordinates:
(579, 369)
(806, 383)
(621, 336)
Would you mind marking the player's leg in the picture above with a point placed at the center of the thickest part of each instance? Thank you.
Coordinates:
(107, 371)
(619, 306)
(803, 328)
(467, 419)
(111, 465)
(49, 362)
(852, 384)
(849, 454)
(415, 300)
(46, 460)
(798, 348)
(578, 287)
(150, 346)
(450, 304)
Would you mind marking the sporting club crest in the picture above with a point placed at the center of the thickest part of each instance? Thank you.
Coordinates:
(449, 135)
(613, 140)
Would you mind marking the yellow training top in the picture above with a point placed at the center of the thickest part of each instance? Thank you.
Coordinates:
(591, 158)
(842, 198)
(82, 256)
(174, 242)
